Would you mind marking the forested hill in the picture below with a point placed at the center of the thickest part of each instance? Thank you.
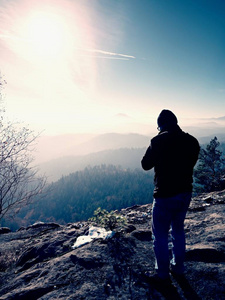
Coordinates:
(124, 157)
(75, 197)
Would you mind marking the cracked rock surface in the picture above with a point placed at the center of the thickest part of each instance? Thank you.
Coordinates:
(38, 262)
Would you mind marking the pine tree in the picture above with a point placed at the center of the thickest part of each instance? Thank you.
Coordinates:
(210, 171)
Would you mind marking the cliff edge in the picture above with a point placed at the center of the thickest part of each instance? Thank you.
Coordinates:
(39, 262)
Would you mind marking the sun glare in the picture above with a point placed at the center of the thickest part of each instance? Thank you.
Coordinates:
(50, 39)
(47, 34)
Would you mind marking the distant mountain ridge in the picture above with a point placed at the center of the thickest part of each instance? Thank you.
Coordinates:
(49, 148)
(124, 157)
(111, 148)
(52, 147)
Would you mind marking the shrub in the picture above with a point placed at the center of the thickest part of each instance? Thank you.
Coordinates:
(109, 220)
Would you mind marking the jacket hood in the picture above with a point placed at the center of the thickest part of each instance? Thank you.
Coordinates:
(166, 120)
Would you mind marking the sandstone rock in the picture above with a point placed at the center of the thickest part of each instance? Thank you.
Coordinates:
(4, 230)
(39, 262)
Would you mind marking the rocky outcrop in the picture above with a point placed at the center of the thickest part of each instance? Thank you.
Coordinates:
(4, 230)
(39, 262)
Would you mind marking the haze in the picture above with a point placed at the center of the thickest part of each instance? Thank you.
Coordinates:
(93, 67)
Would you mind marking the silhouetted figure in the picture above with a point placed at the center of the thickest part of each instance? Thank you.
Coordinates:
(173, 155)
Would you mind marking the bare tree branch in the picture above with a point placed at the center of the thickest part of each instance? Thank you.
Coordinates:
(19, 183)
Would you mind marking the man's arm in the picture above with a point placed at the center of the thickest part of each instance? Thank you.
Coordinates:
(147, 161)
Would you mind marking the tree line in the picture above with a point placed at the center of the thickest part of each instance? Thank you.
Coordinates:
(75, 197)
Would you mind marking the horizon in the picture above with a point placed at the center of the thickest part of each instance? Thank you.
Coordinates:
(50, 148)
(97, 67)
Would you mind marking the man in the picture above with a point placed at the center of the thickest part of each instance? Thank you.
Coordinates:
(173, 155)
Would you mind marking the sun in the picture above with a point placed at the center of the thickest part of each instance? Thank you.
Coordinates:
(47, 34)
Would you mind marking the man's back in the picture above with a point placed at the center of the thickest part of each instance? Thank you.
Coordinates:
(173, 155)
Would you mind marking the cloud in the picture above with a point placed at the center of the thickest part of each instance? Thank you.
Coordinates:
(122, 115)
(220, 118)
(214, 119)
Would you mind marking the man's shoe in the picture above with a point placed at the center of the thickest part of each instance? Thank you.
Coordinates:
(157, 280)
(179, 277)
(163, 285)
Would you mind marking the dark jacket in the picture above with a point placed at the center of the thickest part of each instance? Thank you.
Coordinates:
(173, 155)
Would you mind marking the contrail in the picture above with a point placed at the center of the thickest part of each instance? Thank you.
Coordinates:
(105, 57)
(110, 53)
(116, 55)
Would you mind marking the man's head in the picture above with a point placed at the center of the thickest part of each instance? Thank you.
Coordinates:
(166, 120)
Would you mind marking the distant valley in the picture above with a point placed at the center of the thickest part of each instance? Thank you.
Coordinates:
(124, 157)
(65, 155)
(61, 155)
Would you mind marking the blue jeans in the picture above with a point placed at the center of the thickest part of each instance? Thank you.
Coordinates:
(166, 213)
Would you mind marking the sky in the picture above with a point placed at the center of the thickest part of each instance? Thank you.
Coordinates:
(96, 66)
